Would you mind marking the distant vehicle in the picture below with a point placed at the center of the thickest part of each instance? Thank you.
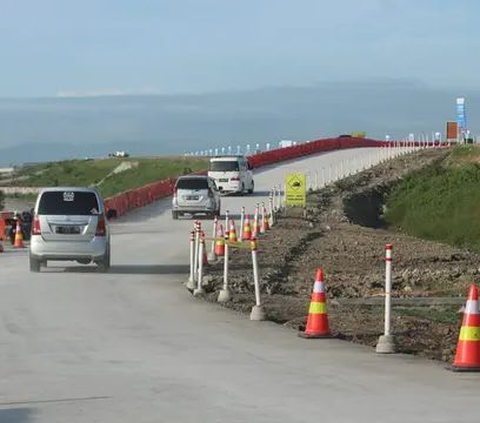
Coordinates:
(195, 195)
(232, 174)
(69, 223)
(285, 143)
(119, 154)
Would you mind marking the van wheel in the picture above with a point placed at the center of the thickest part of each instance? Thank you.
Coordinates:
(250, 191)
(174, 215)
(34, 265)
(104, 263)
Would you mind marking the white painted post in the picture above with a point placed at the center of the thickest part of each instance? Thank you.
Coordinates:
(386, 342)
(227, 213)
(212, 255)
(270, 206)
(242, 222)
(258, 313)
(225, 295)
(191, 279)
(199, 290)
(262, 223)
(256, 223)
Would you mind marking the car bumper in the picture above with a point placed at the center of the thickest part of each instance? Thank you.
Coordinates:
(194, 209)
(61, 250)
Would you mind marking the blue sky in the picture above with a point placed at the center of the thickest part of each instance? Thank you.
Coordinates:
(88, 47)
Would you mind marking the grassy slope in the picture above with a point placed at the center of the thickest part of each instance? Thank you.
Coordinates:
(441, 202)
(88, 173)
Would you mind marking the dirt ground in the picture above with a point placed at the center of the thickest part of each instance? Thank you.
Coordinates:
(332, 237)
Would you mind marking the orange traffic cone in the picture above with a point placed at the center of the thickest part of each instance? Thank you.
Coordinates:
(205, 258)
(467, 357)
(247, 230)
(220, 243)
(232, 234)
(317, 321)
(18, 237)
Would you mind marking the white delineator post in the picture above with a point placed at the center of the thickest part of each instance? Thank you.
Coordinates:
(258, 312)
(270, 206)
(212, 256)
(191, 279)
(386, 342)
(242, 223)
(225, 295)
(263, 229)
(199, 290)
(227, 213)
(196, 253)
(256, 223)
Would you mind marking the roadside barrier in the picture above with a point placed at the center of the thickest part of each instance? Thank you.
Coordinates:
(467, 356)
(317, 320)
(386, 342)
(258, 312)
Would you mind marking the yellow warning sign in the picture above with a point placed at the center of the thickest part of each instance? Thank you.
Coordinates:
(296, 189)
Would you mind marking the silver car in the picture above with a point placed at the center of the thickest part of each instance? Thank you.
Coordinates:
(195, 195)
(69, 224)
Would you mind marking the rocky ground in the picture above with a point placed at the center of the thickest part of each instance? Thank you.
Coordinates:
(344, 234)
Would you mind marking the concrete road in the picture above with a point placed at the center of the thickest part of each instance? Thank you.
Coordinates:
(134, 346)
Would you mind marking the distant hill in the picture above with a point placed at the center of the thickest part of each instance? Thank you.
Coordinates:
(56, 128)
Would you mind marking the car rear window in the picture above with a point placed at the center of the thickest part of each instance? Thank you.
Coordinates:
(192, 183)
(221, 166)
(68, 203)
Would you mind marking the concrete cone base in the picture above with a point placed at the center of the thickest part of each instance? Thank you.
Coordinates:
(224, 296)
(198, 292)
(258, 313)
(463, 369)
(212, 258)
(190, 285)
(386, 344)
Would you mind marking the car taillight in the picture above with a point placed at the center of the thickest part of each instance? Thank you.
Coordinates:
(36, 226)
(101, 227)
(235, 178)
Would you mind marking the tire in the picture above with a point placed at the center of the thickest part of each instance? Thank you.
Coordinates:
(34, 265)
(104, 263)
(250, 191)
(174, 215)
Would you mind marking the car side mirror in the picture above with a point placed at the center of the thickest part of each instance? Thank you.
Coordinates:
(111, 214)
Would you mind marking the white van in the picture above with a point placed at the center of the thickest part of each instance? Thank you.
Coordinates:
(232, 174)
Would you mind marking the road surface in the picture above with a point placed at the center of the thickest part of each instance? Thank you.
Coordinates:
(134, 346)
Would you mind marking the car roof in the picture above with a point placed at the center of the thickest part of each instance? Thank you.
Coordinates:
(226, 158)
(67, 188)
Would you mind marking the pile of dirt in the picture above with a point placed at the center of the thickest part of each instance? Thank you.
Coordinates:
(331, 237)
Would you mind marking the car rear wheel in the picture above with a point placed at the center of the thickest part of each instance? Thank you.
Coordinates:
(250, 191)
(174, 215)
(104, 263)
(34, 265)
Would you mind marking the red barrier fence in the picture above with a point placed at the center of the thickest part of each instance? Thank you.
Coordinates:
(140, 197)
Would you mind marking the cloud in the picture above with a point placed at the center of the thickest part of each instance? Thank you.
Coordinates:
(90, 93)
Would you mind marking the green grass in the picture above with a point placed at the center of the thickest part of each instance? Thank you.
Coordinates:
(441, 202)
(95, 172)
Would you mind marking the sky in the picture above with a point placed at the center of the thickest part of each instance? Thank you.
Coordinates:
(95, 47)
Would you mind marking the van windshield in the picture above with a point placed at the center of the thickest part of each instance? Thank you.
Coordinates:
(221, 166)
(68, 203)
(192, 183)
